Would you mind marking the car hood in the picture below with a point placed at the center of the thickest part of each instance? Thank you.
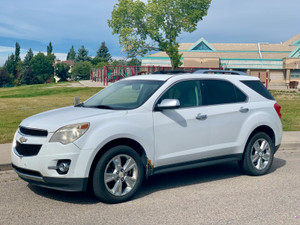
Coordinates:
(54, 119)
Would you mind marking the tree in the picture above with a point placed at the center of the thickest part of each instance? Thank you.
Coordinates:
(134, 62)
(97, 60)
(13, 63)
(5, 77)
(42, 67)
(49, 48)
(120, 62)
(10, 64)
(81, 71)
(27, 76)
(62, 71)
(161, 21)
(103, 52)
(82, 55)
(71, 54)
(51, 58)
(17, 53)
(100, 65)
(28, 58)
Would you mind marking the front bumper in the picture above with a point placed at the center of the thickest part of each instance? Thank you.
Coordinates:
(62, 184)
(36, 160)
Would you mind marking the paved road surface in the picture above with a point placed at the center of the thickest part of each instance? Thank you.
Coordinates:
(210, 195)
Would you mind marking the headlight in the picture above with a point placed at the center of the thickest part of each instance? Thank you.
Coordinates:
(70, 133)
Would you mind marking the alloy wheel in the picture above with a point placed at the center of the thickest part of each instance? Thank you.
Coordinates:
(120, 175)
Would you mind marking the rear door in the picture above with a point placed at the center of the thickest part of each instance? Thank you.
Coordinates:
(228, 110)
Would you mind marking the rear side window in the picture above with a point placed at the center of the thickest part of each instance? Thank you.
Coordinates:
(241, 97)
(220, 92)
(258, 87)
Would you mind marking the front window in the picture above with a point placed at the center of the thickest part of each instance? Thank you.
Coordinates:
(187, 92)
(126, 94)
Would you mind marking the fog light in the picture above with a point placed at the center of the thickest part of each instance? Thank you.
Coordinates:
(63, 166)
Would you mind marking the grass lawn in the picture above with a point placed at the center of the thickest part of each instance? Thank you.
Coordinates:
(17, 103)
(290, 109)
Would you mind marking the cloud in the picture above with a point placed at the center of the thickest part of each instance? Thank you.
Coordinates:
(248, 21)
(61, 56)
(54, 20)
(34, 23)
(4, 49)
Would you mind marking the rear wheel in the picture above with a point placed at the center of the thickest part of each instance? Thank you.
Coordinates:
(118, 175)
(258, 155)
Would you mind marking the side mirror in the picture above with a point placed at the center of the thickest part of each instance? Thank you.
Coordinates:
(168, 104)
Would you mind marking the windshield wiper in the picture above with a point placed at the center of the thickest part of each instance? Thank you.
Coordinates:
(101, 106)
(79, 105)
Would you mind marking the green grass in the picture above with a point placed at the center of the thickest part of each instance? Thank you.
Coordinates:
(290, 109)
(38, 90)
(17, 103)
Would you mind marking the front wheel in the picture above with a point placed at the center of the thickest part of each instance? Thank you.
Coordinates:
(258, 155)
(118, 175)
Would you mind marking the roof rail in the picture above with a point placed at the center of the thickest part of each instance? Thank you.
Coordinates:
(232, 72)
(170, 72)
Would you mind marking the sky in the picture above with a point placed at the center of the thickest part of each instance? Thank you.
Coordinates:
(34, 23)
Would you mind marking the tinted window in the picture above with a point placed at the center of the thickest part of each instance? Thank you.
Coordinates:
(258, 87)
(241, 97)
(220, 92)
(187, 92)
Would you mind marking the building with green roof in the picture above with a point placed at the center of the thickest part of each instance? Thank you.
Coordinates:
(280, 61)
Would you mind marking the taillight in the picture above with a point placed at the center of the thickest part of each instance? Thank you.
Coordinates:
(277, 108)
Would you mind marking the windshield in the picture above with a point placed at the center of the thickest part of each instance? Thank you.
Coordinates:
(126, 94)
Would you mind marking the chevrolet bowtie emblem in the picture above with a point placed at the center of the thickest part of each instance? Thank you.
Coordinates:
(23, 140)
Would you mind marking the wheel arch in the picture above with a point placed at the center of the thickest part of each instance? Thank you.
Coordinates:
(265, 129)
(119, 141)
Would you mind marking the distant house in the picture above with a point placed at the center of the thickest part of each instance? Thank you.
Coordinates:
(70, 63)
(280, 61)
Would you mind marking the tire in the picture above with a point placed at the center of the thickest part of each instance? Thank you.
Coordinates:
(258, 155)
(118, 175)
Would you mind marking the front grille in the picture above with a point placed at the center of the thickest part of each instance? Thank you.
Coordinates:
(27, 150)
(33, 132)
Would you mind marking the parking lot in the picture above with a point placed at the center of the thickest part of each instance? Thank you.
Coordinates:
(210, 195)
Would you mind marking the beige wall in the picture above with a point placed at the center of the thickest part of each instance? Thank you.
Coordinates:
(201, 62)
(277, 76)
(291, 63)
(262, 73)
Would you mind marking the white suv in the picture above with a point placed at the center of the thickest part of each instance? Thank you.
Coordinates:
(146, 125)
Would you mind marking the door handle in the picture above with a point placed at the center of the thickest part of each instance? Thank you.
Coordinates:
(244, 110)
(201, 117)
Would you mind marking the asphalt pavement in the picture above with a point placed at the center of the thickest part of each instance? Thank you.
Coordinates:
(290, 140)
(219, 194)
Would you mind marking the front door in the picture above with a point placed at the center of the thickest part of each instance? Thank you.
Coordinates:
(181, 134)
